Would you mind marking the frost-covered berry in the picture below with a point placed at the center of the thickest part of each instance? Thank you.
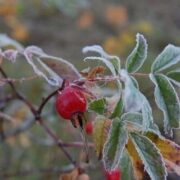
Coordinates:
(70, 101)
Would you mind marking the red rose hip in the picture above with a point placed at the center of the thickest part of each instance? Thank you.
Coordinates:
(113, 174)
(89, 128)
(70, 101)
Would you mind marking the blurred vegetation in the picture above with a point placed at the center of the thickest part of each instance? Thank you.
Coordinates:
(62, 28)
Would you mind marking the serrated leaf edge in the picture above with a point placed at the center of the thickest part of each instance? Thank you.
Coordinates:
(138, 36)
(167, 65)
(123, 117)
(104, 101)
(153, 79)
(144, 160)
(114, 165)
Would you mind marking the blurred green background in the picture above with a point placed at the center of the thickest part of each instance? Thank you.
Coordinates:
(62, 28)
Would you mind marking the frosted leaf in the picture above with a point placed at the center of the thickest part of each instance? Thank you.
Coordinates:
(167, 100)
(44, 71)
(52, 69)
(7, 41)
(10, 54)
(115, 145)
(139, 54)
(132, 100)
(114, 61)
(135, 101)
(97, 49)
(150, 156)
(168, 57)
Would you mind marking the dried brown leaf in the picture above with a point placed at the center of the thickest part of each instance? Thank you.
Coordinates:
(136, 161)
(95, 71)
(169, 150)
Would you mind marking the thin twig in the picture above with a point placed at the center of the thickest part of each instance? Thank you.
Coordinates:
(10, 83)
(6, 99)
(37, 116)
(114, 78)
(106, 78)
(140, 74)
(19, 96)
(13, 80)
(56, 140)
(48, 97)
(49, 142)
(77, 144)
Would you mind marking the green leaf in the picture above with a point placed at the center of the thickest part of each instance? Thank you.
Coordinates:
(98, 106)
(116, 63)
(132, 117)
(126, 167)
(135, 82)
(168, 57)
(131, 98)
(137, 57)
(118, 109)
(150, 155)
(146, 112)
(135, 101)
(174, 76)
(135, 121)
(167, 100)
(114, 145)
